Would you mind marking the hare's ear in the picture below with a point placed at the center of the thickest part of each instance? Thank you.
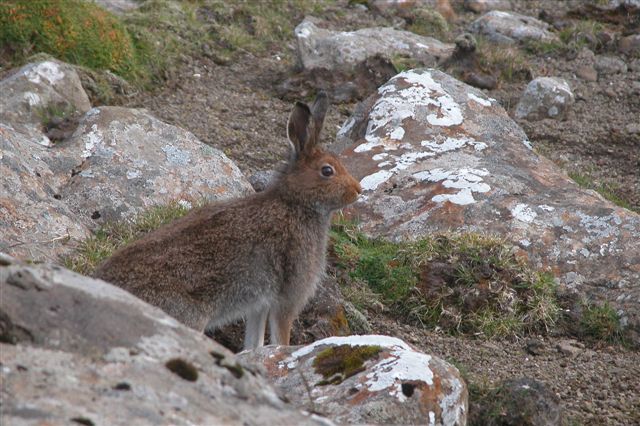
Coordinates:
(318, 111)
(298, 129)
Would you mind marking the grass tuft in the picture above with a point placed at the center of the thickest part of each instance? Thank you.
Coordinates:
(601, 323)
(110, 237)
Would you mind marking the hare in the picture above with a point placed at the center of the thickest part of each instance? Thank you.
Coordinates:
(259, 257)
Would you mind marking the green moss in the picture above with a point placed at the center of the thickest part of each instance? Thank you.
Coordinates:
(337, 363)
(459, 283)
(112, 236)
(74, 31)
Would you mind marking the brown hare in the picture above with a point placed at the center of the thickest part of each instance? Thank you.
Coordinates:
(255, 258)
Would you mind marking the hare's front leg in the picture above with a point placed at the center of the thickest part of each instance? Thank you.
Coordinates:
(255, 323)
(280, 322)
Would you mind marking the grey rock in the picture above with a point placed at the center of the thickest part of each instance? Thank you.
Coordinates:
(545, 97)
(118, 6)
(35, 222)
(342, 51)
(610, 65)
(262, 179)
(483, 6)
(569, 347)
(510, 27)
(78, 348)
(36, 90)
(398, 386)
(128, 161)
(434, 155)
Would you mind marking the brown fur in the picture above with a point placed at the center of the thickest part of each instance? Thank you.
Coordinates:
(254, 257)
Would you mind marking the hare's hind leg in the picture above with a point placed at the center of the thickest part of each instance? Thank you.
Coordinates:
(255, 323)
(280, 323)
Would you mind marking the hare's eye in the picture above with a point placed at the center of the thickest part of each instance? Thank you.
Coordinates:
(327, 171)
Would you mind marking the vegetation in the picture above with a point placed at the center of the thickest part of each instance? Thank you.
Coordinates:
(338, 363)
(459, 283)
(608, 191)
(508, 62)
(74, 31)
(112, 236)
(428, 22)
(601, 323)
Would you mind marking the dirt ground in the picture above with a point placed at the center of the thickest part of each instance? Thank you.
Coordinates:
(234, 107)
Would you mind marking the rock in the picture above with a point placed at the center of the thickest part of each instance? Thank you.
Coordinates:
(630, 45)
(434, 155)
(545, 97)
(509, 27)
(128, 161)
(483, 6)
(36, 223)
(568, 347)
(587, 73)
(118, 6)
(78, 350)
(518, 402)
(262, 179)
(534, 347)
(610, 65)
(366, 380)
(342, 51)
(39, 90)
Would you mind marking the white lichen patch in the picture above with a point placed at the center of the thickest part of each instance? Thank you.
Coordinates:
(32, 99)
(133, 174)
(523, 213)
(398, 104)
(546, 208)
(371, 182)
(481, 101)
(526, 143)
(466, 180)
(451, 144)
(91, 141)
(48, 70)
(176, 156)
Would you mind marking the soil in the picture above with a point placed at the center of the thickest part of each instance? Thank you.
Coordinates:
(235, 108)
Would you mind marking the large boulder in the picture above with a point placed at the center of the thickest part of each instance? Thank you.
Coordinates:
(34, 222)
(127, 161)
(342, 51)
(367, 380)
(433, 155)
(510, 27)
(78, 350)
(117, 163)
(37, 90)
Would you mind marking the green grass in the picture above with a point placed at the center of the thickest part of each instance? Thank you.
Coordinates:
(106, 240)
(601, 323)
(428, 22)
(459, 283)
(608, 191)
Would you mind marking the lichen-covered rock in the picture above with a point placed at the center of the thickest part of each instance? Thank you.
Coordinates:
(37, 90)
(367, 380)
(34, 222)
(510, 27)
(545, 97)
(128, 161)
(75, 350)
(342, 51)
(433, 155)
